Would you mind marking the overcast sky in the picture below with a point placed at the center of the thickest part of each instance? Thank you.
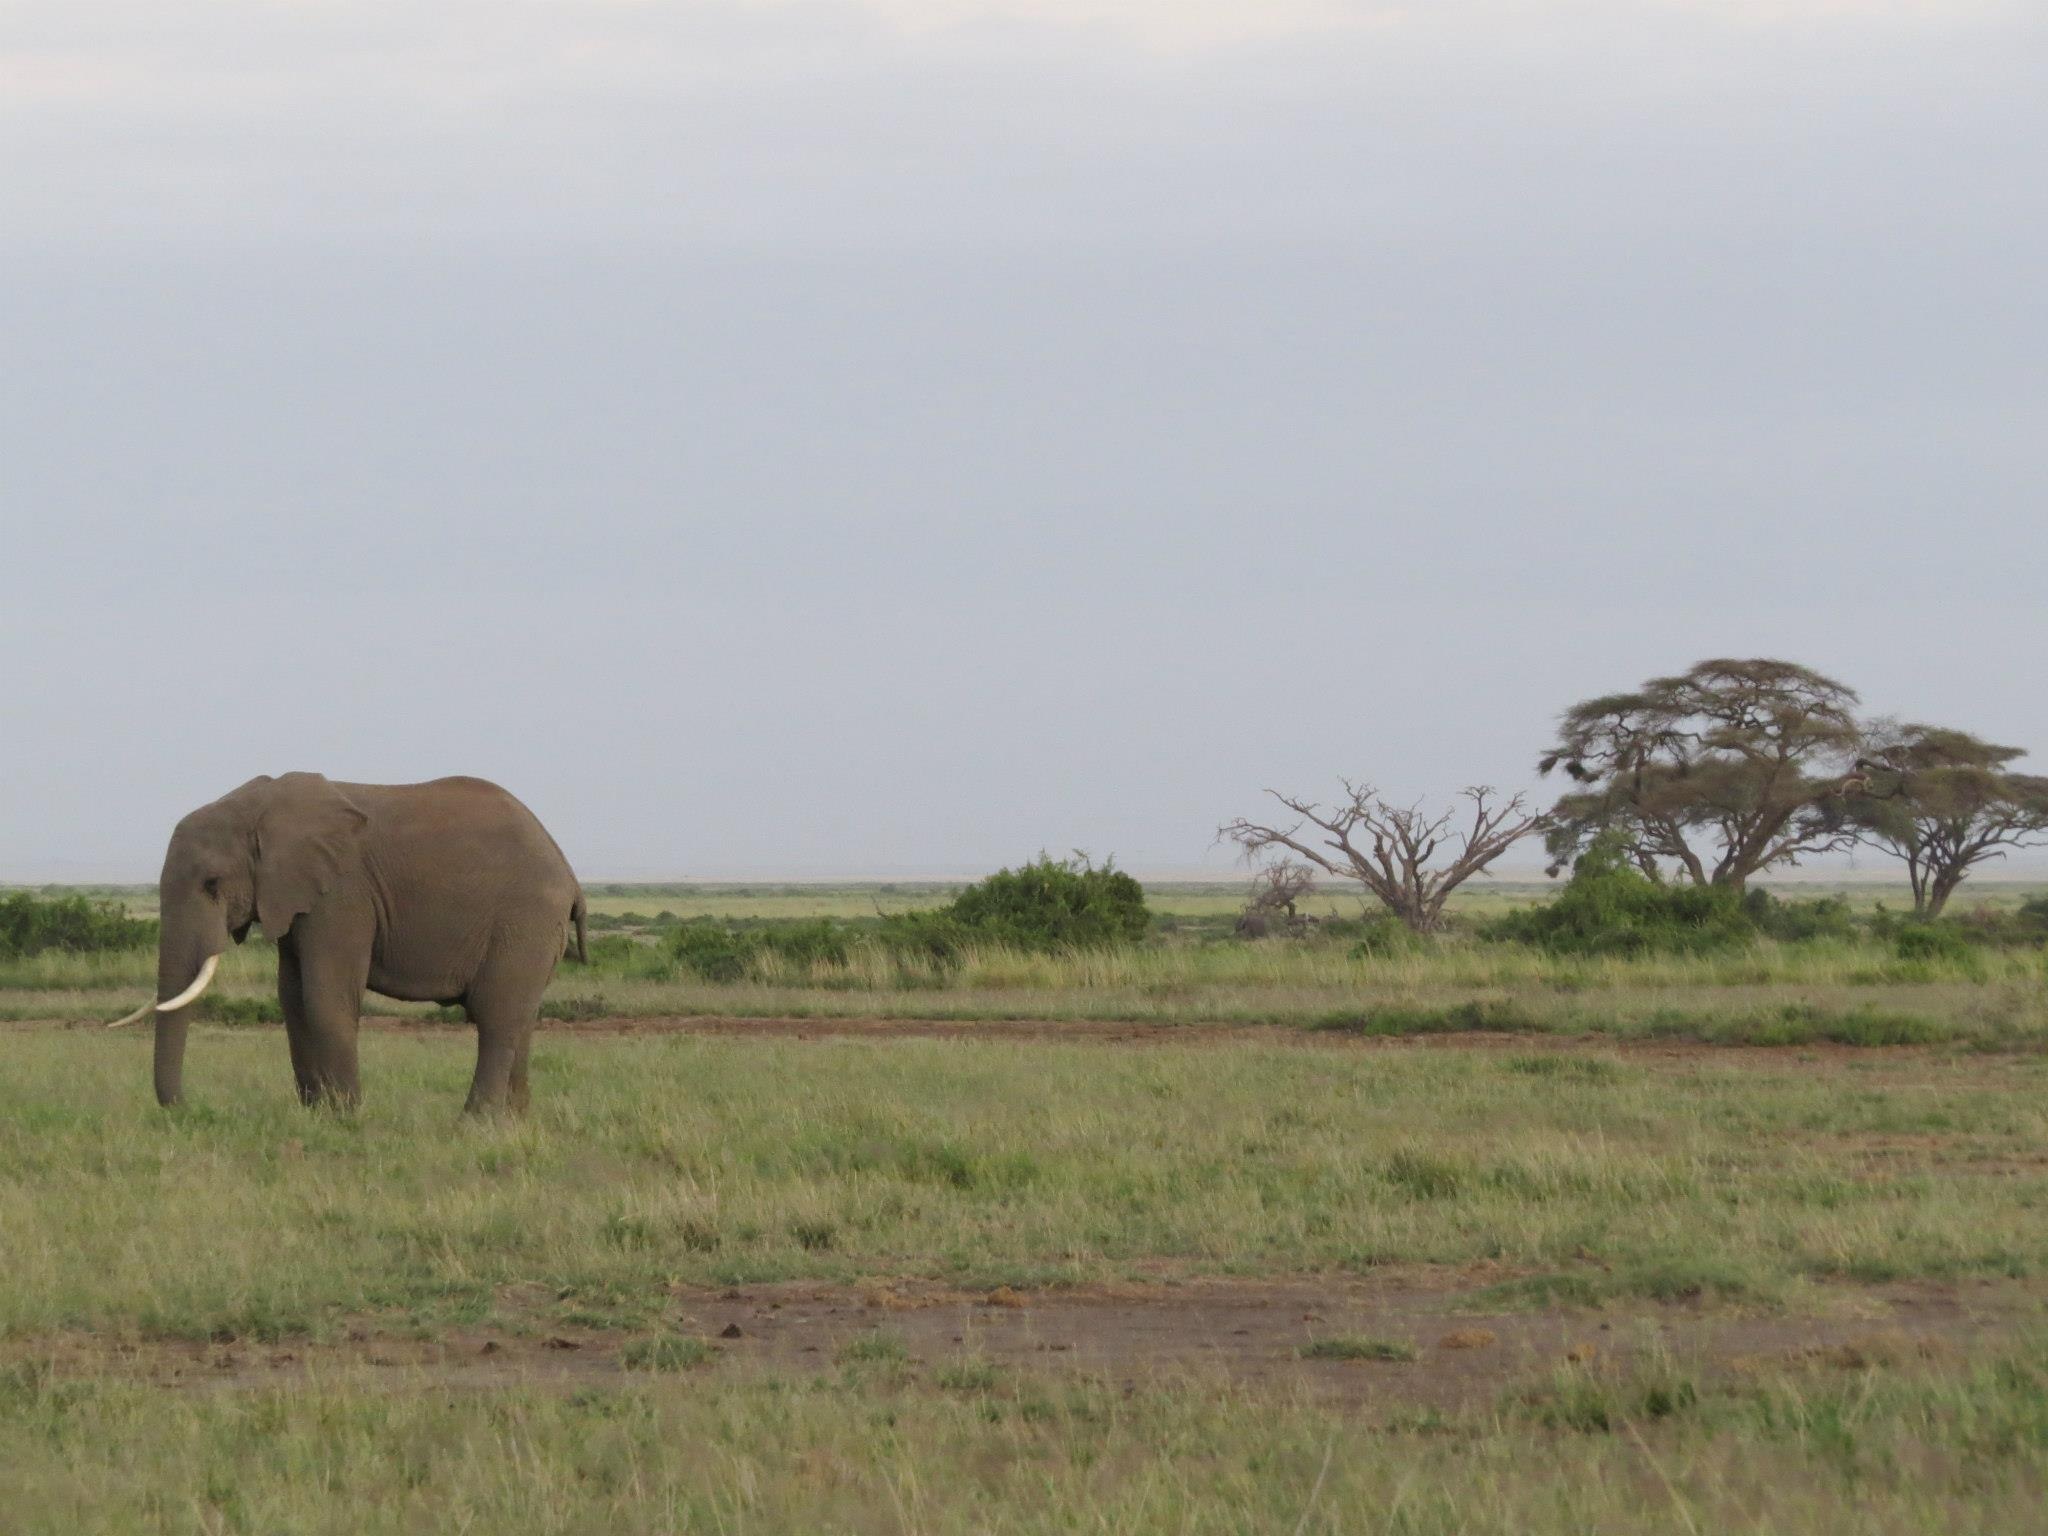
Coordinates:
(895, 436)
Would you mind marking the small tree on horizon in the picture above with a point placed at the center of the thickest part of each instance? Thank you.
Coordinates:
(1392, 850)
(1942, 801)
(1737, 754)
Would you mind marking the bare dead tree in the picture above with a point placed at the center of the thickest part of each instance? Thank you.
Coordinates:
(1271, 903)
(1277, 887)
(1392, 850)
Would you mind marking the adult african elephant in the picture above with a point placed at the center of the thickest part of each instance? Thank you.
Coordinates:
(445, 892)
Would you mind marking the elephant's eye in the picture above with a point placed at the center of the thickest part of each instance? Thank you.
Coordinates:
(211, 885)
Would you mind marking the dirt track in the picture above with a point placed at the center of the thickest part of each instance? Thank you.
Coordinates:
(1250, 1333)
(1949, 1061)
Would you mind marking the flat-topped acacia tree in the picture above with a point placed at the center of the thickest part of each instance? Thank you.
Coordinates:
(1724, 770)
(1405, 858)
(1942, 801)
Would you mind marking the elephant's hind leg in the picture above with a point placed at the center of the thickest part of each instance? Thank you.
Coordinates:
(504, 1004)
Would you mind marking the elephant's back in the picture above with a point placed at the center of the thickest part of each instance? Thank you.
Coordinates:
(467, 820)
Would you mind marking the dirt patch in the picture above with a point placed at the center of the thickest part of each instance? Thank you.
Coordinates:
(1416, 1343)
(1156, 1033)
(1949, 1059)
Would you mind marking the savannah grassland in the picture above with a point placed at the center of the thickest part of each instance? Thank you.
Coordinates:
(1292, 1238)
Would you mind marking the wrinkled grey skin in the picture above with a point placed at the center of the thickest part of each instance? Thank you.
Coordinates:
(445, 892)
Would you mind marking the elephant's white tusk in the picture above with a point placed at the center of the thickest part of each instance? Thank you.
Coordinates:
(199, 985)
(134, 1018)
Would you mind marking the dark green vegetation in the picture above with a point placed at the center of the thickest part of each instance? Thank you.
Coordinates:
(1047, 906)
(1740, 766)
(1609, 953)
(1611, 907)
(67, 923)
(1050, 905)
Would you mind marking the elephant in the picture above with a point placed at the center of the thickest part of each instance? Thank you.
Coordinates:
(445, 892)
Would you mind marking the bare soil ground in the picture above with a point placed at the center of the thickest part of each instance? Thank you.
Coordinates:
(1249, 1332)
(1148, 1033)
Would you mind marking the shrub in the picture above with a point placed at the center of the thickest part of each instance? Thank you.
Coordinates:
(1609, 907)
(713, 951)
(2022, 928)
(1046, 905)
(1823, 917)
(1052, 904)
(29, 925)
(1931, 941)
(1384, 934)
(810, 942)
(626, 957)
(933, 935)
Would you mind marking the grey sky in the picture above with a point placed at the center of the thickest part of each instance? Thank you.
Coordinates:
(900, 436)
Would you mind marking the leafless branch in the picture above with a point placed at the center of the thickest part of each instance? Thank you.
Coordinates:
(1393, 850)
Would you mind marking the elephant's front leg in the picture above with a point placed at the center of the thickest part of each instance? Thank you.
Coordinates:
(334, 967)
(291, 997)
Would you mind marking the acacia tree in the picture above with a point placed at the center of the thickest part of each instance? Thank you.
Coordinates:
(1943, 801)
(1392, 850)
(1738, 755)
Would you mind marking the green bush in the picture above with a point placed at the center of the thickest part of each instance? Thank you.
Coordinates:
(623, 956)
(811, 941)
(1931, 941)
(1046, 905)
(1381, 935)
(29, 925)
(1822, 917)
(932, 935)
(1053, 904)
(719, 951)
(2024, 927)
(713, 951)
(1609, 907)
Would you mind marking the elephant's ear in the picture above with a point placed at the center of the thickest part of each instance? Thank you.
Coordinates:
(305, 841)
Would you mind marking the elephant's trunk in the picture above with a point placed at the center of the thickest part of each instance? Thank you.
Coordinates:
(170, 1056)
(182, 973)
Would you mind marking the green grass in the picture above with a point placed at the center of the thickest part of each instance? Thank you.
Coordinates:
(969, 1374)
(1848, 993)
(1962, 1446)
(1838, 991)
(649, 1162)
(1590, 1183)
(876, 1347)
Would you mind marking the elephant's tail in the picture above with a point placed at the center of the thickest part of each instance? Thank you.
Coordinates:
(582, 945)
